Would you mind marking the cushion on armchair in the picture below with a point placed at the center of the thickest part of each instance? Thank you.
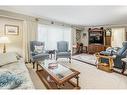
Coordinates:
(38, 49)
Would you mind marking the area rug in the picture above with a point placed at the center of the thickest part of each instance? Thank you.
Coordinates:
(86, 58)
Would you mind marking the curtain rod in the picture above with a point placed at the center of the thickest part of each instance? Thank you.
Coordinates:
(9, 17)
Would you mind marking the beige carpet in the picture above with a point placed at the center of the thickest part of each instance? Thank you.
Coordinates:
(90, 77)
(36, 80)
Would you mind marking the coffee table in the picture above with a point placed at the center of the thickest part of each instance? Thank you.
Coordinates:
(58, 77)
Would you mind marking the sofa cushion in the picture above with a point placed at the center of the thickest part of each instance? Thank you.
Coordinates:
(7, 58)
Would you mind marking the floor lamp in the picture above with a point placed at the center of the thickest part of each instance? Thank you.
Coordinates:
(4, 40)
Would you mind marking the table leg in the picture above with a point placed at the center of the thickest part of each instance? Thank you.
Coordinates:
(37, 66)
(59, 86)
(51, 56)
(123, 67)
(33, 65)
(77, 77)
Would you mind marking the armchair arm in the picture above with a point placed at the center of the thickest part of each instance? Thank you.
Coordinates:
(103, 56)
(56, 51)
(33, 53)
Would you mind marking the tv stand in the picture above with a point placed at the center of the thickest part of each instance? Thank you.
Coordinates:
(96, 40)
(94, 48)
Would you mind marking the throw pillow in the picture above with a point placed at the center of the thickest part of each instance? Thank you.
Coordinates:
(39, 49)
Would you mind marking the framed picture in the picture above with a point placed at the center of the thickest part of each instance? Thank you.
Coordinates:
(108, 33)
(11, 30)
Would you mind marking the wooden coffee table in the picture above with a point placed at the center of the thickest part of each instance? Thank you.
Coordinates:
(58, 77)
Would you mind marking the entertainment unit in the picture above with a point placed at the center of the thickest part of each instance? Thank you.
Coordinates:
(96, 40)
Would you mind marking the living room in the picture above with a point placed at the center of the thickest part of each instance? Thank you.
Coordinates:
(73, 43)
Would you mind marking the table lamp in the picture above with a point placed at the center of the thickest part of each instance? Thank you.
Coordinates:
(4, 40)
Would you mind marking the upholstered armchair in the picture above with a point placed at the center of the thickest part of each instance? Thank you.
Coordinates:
(35, 56)
(62, 50)
(121, 53)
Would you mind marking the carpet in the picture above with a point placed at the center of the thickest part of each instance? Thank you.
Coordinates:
(90, 77)
(91, 60)
(86, 58)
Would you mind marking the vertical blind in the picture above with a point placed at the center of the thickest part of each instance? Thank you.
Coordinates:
(51, 34)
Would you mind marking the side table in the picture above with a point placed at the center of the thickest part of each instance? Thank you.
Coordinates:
(85, 49)
(124, 62)
(51, 52)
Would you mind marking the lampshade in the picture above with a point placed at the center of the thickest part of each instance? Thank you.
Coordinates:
(4, 40)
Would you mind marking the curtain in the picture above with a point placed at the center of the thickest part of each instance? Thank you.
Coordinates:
(29, 34)
(118, 37)
(51, 34)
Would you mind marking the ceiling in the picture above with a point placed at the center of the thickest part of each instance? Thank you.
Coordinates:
(76, 15)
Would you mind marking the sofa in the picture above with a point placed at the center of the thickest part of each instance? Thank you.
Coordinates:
(13, 72)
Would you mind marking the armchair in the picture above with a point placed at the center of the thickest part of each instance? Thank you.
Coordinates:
(62, 50)
(34, 56)
(120, 54)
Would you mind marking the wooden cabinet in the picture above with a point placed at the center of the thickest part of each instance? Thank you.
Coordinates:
(107, 42)
(94, 48)
(96, 40)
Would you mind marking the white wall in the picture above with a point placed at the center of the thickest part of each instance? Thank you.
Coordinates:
(16, 43)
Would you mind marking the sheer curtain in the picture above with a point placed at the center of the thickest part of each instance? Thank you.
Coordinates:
(51, 34)
(118, 37)
(29, 34)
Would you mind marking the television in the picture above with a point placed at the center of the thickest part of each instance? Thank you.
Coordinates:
(96, 40)
(96, 37)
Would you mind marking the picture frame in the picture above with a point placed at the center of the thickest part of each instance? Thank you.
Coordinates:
(108, 32)
(11, 30)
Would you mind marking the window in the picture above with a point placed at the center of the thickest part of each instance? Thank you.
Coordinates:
(51, 34)
(118, 37)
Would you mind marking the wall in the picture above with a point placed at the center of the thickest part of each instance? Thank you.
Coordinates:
(84, 39)
(27, 31)
(16, 42)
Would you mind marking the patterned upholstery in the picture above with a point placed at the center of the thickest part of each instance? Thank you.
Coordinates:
(62, 50)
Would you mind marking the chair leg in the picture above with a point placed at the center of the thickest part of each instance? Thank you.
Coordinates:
(69, 60)
(123, 67)
(30, 61)
(33, 65)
